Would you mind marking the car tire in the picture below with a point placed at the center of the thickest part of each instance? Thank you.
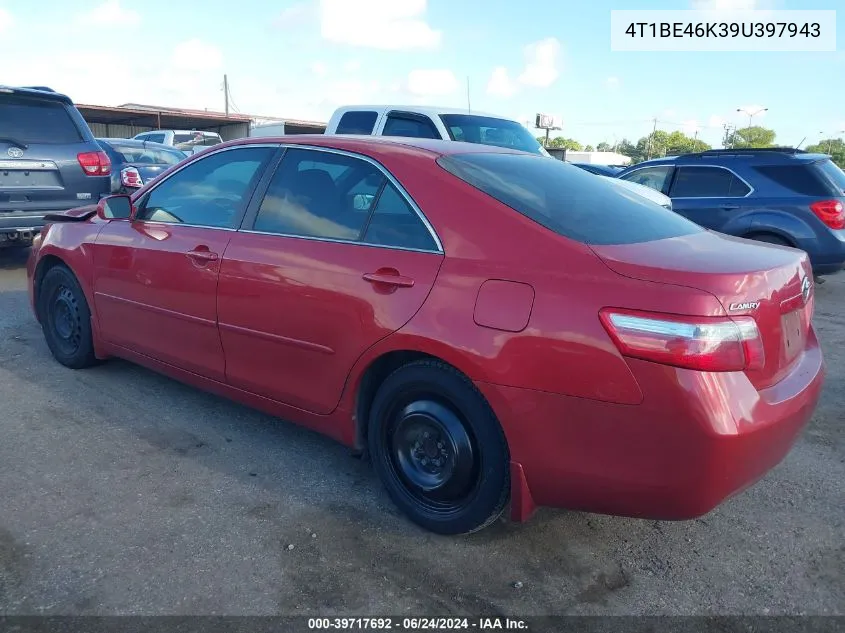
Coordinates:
(66, 319)
(438, 448)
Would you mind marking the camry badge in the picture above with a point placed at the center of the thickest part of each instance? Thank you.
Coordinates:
(749, 305)
(15, 152)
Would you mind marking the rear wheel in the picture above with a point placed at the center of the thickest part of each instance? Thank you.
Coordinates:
(66, 319)
(439, 449)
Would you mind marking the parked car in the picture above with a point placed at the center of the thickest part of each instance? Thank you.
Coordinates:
(587, 349)
(49, 161)
(641, 190)
(780, 196)
(601, 170)
(188, 141)
(135, 163)
(449, 124)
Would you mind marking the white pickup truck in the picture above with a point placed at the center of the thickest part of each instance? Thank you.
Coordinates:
(454, 125)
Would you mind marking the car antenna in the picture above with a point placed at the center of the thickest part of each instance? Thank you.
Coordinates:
(801, 143)
(469, 106)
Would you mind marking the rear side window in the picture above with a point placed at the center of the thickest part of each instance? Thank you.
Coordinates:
(654, 177)
(806, 179)
(834, 174)
(358, 122)
(708, 182)
(30, 120)
(154, 138)
(567, 200)
(153, 156)
(414, 127)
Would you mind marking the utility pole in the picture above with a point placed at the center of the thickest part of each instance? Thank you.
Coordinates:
(651, 139)
(727, 140)
(226, 92)
(469, 105)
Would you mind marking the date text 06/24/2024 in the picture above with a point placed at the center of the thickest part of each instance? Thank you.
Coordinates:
(417, 624)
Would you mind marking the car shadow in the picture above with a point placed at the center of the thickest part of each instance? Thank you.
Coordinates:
(13, 257)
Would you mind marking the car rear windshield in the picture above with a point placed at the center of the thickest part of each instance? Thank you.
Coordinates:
(485, 130)
(151, 155)
(820, 178)
(32, 120)
(567, 200)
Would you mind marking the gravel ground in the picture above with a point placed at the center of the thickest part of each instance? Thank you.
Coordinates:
(123, 492)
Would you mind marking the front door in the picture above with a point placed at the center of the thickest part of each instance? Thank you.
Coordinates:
(336, 259)
(155, 276)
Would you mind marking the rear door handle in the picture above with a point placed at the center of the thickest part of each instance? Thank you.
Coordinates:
(389, 279)
(202, 255)
(728, 207)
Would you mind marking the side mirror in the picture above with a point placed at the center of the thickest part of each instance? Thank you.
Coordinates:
(115, 208)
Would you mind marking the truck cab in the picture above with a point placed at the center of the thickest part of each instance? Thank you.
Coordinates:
(449, 124)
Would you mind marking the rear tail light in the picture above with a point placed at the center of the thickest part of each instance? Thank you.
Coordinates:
(129, 177)
(701, 343)
(830, 212)
(94, 163)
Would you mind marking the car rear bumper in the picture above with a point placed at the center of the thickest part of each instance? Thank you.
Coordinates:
(829, 257)
(697, 439)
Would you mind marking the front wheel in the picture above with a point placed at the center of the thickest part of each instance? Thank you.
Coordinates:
(439, 449)
(66, 319)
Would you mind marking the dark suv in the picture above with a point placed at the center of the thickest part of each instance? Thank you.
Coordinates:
(49, 161)
(777, 195)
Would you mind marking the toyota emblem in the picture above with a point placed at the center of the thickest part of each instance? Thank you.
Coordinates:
(15, 152)
(805, 289)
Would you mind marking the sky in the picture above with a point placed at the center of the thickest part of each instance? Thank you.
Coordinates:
(303, 58)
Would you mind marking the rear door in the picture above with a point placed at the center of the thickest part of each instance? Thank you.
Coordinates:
(713, 197)
(41, 138)
(332, 258)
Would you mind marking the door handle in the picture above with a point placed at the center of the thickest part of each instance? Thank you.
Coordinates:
(202, 255)
(728, 207)
(389, 278)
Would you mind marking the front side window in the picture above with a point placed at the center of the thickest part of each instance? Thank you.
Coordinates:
(567, 200)
(410, 126)
(209, 192)
(357, 122)
(708, 182)
(654, 177)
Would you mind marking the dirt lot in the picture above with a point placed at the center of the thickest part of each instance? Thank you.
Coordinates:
(125, 492)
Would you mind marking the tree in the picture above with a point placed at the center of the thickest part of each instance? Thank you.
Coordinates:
(626, 148)
(604, 147)
(754, 136)
(833, 146)
(589, 148)
(569, 143)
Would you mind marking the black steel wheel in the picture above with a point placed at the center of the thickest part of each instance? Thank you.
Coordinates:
(439, 449)
(66, 319)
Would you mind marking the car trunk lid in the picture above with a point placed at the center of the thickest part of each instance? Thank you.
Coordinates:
(772, 284)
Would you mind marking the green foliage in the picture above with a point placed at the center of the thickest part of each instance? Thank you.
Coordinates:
(754, 136)
(604, 147)
(661, 144)
(589, 148)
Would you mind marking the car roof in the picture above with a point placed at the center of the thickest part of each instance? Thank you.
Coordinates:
(131, 142)
(362, 143)
(42, 92)
(754, 156)
(429, 110)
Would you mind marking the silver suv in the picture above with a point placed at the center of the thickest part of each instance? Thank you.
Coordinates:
(189, 141)
(49, 161)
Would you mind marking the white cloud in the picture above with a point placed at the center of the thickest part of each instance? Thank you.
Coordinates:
(690, 127)
(541, 60)
(500, 83)
(434, 82)
(295, 15)
(381, 24)
(319, 69)
(197, 55)
(352, 66)
(715, 121)
(6, 20)
(612, 82)
(110, 13)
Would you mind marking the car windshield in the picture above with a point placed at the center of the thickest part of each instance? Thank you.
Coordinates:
(151, 155)
(485, 130)
(567, 200)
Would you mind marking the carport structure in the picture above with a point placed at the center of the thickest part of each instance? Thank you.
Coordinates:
(125, 121)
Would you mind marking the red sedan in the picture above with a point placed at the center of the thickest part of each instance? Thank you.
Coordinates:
(489, 326)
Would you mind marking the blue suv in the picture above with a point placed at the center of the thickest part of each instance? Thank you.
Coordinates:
(778, 195)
